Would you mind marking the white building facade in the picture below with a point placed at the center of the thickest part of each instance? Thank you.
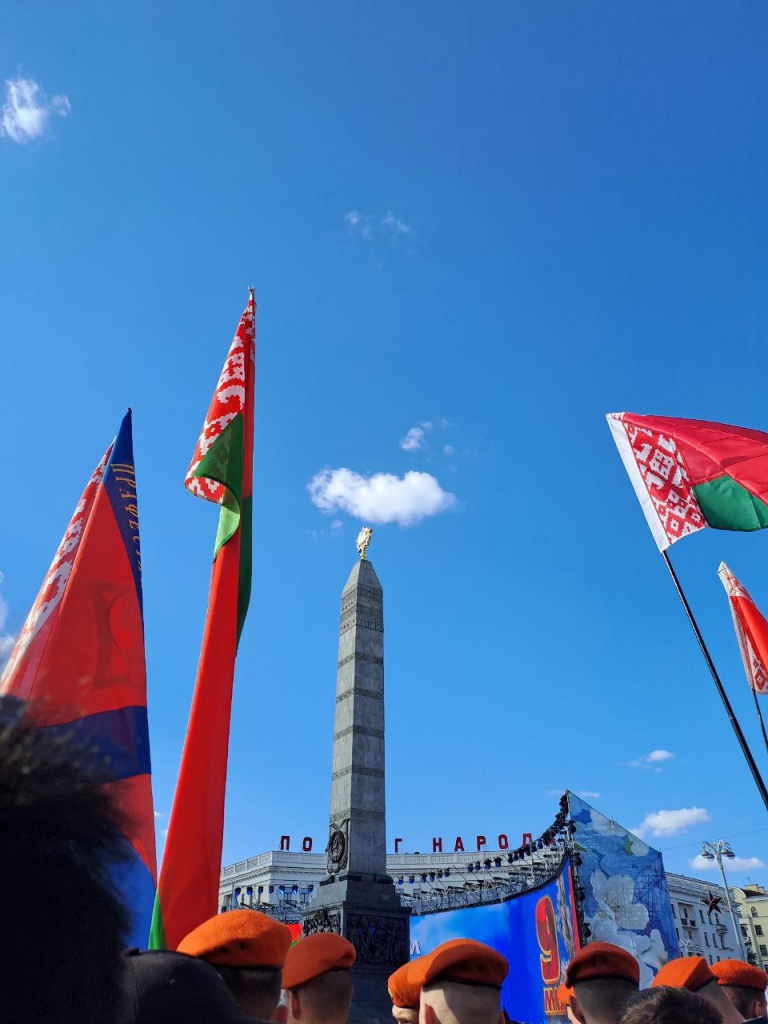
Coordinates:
(283, 884)
(702, 922)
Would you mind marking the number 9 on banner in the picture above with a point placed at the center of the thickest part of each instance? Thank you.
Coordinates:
(546, 933)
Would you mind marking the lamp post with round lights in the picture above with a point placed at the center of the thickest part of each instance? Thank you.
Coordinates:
(716, 851)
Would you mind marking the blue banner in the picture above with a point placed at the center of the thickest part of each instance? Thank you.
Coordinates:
(535, 931)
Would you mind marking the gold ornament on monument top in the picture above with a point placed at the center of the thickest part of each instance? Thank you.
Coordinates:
(363, 540)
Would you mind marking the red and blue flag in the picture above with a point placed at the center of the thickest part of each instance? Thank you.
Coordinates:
(79, 659)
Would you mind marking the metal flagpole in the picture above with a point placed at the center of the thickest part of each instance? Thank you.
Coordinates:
(759, 715)
(723, 696)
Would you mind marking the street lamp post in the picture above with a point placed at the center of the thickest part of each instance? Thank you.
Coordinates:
(716, 851)
(686, 945)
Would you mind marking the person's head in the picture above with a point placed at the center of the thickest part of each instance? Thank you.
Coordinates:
(317, 978)
(59, 842)
(460, 983)
(664, 1005)
(159, 986)
(248, 949)
(694, 974)
(598, 981)
(404, 995)
(744, 985)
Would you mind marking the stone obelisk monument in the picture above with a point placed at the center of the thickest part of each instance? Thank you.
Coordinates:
(357, 899)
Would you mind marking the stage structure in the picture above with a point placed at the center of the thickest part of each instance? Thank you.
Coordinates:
(357, 898)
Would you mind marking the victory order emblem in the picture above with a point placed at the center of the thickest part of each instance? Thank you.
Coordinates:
(363, 540)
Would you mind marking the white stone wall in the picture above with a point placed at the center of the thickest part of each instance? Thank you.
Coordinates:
(699, 931)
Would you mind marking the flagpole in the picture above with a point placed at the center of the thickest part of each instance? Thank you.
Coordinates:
(723, 696)
(759, 716)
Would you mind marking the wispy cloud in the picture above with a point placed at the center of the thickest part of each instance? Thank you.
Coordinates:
(27, 110)
(372, 227)
(7, 640)
(587, 794)
(394, 228)
(737, 864)
(653, 760)
(415, 437)
(670, 823)
(380, 498)
(334, 530)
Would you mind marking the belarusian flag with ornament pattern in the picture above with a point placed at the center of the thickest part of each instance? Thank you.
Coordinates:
(689, 474)
(751, 630)
(222, 472)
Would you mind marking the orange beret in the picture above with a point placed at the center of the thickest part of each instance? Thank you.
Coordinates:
(602, 960)
(239, 938)
(739, 974)
(691, 972)
(403, 992)
(564, 994)
(464, 960)
(314, 955)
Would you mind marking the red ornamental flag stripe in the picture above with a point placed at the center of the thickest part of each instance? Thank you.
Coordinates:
(751, 630)
(690, 474)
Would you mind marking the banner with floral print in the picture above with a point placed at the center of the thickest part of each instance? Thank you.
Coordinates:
(625, 890)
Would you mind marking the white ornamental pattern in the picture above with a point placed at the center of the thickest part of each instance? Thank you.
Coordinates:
(666, 479)
(228, 400)
(57, 577)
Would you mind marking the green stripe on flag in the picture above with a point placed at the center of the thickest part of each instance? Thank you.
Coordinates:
(244, 576)
(729, 506)
(156, 931)
(223, 462)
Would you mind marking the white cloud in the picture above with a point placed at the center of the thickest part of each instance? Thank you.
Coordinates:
(372, 227)
(736, 864)
(394, 228)
(27, 110)
(652, 760)
(7, 640)
(415, 437)
(669, 823)
(586, 794)
(359, 224)
(381, 498)
(449, 450)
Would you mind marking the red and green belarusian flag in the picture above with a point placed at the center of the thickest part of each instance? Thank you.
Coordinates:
(689, 474)
(751, 630)
(221, 471)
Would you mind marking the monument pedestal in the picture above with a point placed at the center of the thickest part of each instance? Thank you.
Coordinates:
(358, 899)
(369, 914)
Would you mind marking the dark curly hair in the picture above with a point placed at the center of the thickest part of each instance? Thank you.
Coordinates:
(62, 925)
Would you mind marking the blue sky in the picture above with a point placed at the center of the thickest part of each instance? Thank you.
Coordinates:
(471, 235)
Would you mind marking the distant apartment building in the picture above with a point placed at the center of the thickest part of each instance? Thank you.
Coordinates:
(751, 905)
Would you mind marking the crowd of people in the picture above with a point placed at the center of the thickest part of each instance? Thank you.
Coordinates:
(63, 962)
